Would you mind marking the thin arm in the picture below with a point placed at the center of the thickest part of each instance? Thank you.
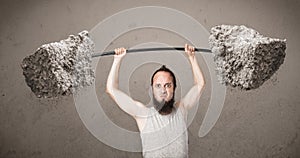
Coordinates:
(125, 102)
(193, 96)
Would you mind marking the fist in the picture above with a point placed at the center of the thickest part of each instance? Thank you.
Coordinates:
(189, 50)
(120, 52)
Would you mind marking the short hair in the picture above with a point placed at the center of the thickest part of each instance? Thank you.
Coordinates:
(164, 69)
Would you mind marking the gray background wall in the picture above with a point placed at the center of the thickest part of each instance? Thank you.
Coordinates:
(261, 123)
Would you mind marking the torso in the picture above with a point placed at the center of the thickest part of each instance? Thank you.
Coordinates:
(164, 135)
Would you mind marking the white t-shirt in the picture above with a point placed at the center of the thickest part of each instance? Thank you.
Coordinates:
(165, 135)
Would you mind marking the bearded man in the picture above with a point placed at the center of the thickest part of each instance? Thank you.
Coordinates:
(163, 122)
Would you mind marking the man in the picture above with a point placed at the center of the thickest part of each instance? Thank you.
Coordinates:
(162, 123)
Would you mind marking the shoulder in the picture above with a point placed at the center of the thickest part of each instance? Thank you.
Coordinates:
(142, 110)
(179, 106)
(142, 118)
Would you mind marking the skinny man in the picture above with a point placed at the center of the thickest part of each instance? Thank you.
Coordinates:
(162, 123)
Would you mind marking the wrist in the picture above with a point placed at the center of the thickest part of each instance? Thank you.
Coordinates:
(117, 59)
(191, 58)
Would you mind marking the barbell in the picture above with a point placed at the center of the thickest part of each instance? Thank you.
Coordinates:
(243, 57)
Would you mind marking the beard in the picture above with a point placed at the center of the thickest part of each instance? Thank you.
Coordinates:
(164, 107)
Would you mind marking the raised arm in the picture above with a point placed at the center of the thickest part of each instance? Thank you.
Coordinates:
(125, 102)
(192, 97)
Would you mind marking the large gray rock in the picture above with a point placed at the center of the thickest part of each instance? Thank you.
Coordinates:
(244, 58)
(59, 68)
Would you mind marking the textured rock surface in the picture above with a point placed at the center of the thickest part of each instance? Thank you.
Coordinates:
(245, 58)
(60, 68)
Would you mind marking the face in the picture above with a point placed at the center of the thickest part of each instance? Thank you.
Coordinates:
(163, 88)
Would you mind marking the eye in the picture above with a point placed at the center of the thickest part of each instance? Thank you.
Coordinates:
(169, 85)
(157, 85)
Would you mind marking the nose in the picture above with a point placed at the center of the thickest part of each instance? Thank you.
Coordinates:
(163, 90)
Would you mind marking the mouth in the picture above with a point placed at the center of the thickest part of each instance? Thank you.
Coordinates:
(163, 96)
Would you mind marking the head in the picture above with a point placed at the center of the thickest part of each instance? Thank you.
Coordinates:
(163, 83)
